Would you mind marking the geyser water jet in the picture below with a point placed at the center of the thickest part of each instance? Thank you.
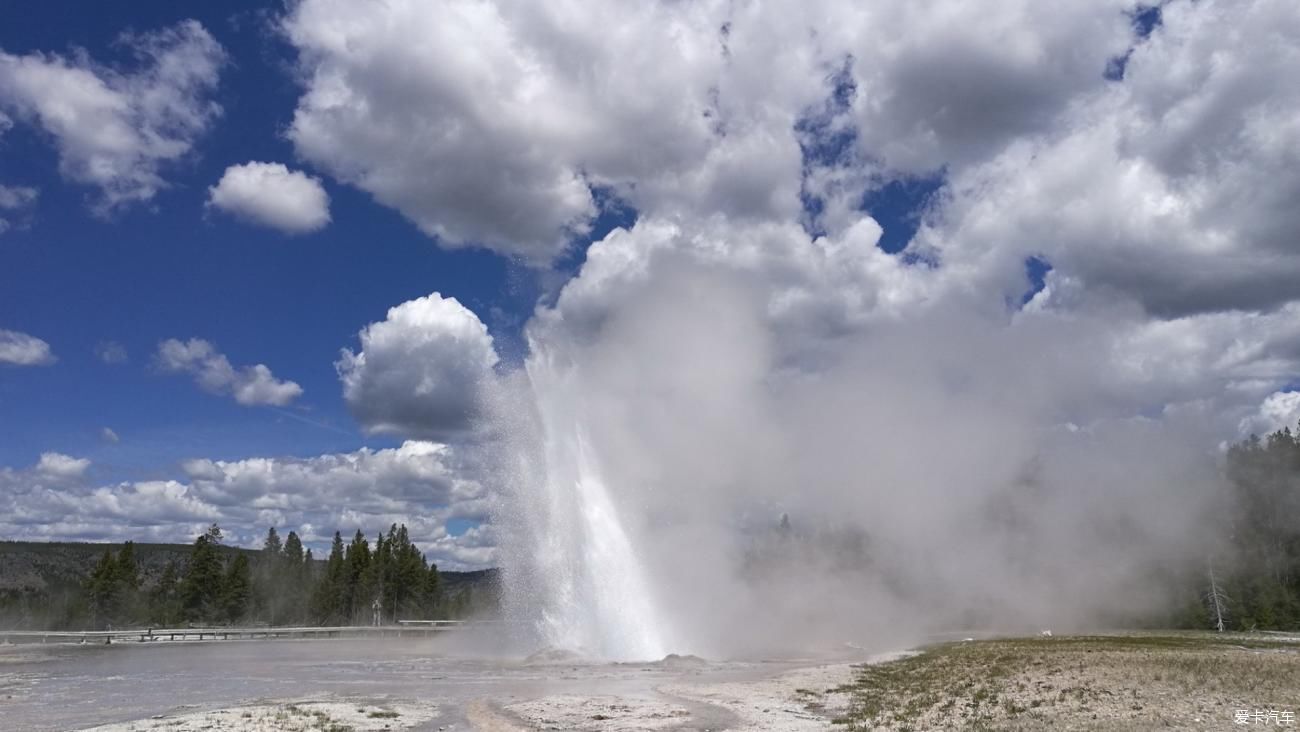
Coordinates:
(589, 586)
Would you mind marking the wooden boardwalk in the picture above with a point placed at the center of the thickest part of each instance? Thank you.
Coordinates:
(403, 629)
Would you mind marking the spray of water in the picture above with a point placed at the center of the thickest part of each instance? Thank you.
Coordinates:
(588, 591)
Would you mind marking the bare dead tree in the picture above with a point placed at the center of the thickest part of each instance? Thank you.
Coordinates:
(1215, 598)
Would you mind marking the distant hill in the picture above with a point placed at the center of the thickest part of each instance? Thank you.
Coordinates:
(483, 582)
(29, 566)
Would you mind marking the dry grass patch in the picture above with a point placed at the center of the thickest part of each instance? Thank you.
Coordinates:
(1127, 682)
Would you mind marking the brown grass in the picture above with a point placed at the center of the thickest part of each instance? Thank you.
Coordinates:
(1122, 682)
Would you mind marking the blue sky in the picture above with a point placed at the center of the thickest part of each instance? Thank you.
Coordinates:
(172, 269)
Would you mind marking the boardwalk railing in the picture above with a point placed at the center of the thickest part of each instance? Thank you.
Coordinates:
(404, 628)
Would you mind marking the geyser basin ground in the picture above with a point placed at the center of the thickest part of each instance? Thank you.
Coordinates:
(274, 685)
(1124, 682)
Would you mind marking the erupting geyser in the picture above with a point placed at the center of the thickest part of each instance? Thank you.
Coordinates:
(656, 444)
(590, 593)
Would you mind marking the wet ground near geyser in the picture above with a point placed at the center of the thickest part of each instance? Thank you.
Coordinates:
(69, 687)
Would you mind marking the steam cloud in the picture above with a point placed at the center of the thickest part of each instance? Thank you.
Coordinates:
(926, 468)
(749, 421)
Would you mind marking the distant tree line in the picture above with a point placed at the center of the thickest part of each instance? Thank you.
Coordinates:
(359, 584)
(1251, 578)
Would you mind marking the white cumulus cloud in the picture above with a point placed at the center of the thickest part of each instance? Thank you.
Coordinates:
(1173, 187)
(498, 141)
(115, 129)
(272, 195)
(16, 203)
(249, 385)
(16, 197)
(58, 465)
(424, 371)
(1279, 410)
(21, 349)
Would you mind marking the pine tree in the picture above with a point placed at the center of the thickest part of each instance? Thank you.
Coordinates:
(201, 588)
(272, 544)
(432, 605)
(327, 597)
(292, 552)
(1262, 571)
(236, 590)
(269, 590)
(294, 579)
(353, 598)
(308, 569)
(413, 598)
(379, 576)
(128, 570)
(104, 591)
(127, 576)
(164, 603)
